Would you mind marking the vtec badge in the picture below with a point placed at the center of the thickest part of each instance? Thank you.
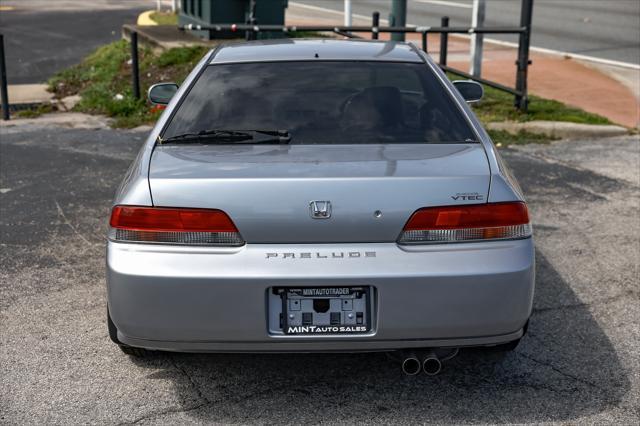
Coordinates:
(467, 196)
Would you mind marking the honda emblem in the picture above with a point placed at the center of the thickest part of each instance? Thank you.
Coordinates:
(320, 209)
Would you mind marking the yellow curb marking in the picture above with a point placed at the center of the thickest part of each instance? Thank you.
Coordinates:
(6, 8)
(145, 18)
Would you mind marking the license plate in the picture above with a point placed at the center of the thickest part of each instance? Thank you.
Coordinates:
(325, 310)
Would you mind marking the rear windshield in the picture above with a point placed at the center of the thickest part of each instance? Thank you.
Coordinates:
(324, 103)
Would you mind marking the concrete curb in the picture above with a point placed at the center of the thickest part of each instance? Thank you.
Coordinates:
(69, 120)
(560, 129)
(164, 36)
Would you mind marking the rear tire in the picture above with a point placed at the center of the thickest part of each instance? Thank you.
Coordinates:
(512, 345)
(129, 350)
(134, 352)
(506, 347)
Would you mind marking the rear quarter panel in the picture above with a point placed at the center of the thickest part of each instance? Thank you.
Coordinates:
(134, 189)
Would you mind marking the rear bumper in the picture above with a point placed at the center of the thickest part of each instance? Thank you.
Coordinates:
(202, 299)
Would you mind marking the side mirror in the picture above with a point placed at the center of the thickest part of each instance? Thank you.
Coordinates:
(161, 93)
(470, 90)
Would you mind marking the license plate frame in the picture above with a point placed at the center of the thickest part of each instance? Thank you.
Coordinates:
(342, 301)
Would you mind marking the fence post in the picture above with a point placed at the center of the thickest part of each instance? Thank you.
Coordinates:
(444, 38)
(135, 71)
(251, 20)
(424, 41)
(523, 62)
(399, 14)
(3, 81)
(479, 7)
(375, 23)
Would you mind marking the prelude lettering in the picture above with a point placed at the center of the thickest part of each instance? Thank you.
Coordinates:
(320, 255)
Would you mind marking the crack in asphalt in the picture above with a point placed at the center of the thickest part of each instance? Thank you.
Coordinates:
(561, 372)
(192, 382)
(204, 401)
(173, 410)
(67, 222)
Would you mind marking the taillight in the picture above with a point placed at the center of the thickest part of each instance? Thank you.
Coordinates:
(173, 226)
(477, 222)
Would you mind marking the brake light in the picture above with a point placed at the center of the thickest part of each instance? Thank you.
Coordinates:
(173, 226)
(477, 222)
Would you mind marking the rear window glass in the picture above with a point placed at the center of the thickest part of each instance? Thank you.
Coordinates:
(324, 103)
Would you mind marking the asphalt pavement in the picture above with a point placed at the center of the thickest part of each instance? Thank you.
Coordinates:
(43, 37)
(578, 363)
(604, 29)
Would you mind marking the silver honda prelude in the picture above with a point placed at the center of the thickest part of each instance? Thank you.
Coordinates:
(319, 195)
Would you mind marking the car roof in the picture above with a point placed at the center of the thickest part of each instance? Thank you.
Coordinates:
(322, 49)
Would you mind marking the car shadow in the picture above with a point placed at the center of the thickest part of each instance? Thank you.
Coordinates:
(564, 369)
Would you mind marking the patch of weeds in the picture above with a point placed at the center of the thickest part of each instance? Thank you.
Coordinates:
(502, 138)
(102, 66)
(36, 111)
(103, 80)
(180, 55)
(164, 18)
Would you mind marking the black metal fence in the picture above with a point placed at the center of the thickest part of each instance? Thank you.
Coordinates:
(4, 96)
(521, 100)
(251, 29)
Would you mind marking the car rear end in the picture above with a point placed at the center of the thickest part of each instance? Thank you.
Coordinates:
(382, 223)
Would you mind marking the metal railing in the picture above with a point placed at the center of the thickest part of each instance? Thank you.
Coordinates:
(521, 100)
(251, 30)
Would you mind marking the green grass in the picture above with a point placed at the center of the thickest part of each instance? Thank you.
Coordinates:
(498, 106)
(162, 18)
(103, 80)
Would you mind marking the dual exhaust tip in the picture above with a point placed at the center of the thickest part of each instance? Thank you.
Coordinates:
(429, 362)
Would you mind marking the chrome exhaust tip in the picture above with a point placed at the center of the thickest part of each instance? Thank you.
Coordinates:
(431, 364)
(411, 365)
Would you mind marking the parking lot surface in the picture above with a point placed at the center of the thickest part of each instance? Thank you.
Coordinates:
(579, 363)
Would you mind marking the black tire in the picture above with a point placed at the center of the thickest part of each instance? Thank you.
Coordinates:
(129, 350)
(113, 331)
(512, 345)
(134, 352)
(506, 347)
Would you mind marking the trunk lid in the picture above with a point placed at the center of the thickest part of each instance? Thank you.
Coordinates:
(267, 189)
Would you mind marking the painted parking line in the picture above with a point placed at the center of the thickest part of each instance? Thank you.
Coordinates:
(445, 3)
(333, 11)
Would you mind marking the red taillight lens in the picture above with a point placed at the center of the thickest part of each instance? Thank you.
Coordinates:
(173, 226)
(467, 223)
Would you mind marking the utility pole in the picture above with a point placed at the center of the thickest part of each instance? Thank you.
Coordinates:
(348, 21)
(398, 17)
(477, 20)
